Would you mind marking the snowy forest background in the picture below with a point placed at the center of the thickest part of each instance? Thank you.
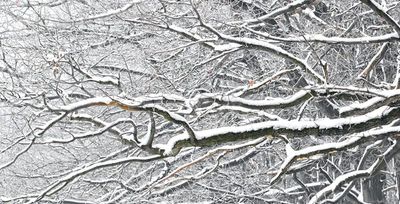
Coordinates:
(213, 101)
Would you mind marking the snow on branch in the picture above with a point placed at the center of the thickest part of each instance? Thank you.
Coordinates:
(325, 126)
(198, 80)
(262, 45)
(270, 103)
(147, 140)
(225, 149)
(342, 179)
(269, 47)
(374, 61)
(108, 13)
(247, 110)
(352, 141)
(106, 127)
(391, 97)
(243, 89)
(128, 105)
(282, 10)
(98, 101)
(183, 32)
(103, 80)
(363, 159)
(95, 121)
(50, 123)
(14, 159)
(378, 9)
(331, 40)
(58, 185)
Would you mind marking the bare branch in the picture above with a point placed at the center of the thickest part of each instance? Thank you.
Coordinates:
(374, 61)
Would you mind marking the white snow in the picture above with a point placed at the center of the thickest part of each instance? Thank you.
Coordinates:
(169, 147)
(86, 103)
(276, 50)
(359, 106)
(266, 102)
(226, 47)
(110, 12)
(105, 79)
(333, 40)
(147, 139)
(289, 125)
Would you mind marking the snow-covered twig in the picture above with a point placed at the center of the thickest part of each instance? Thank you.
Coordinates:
(147, 140)
(282, 10)
(16, 156)
(269, 103)
(367, 150)
(106, 127)
(340, 180)
(378, 9)
(312, 151)
(331, 40)
(106, 14)
(211, 153)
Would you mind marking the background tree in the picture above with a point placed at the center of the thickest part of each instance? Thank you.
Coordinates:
(199, 101)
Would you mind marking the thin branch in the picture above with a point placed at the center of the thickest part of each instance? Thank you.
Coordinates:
(61, 183)
(382, 13)
(316, 150)
(105, 14)
(151, 130)
(342, 179)
(374, 61)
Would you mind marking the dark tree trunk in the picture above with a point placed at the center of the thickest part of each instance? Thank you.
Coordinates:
(397, 168)
(372, 189)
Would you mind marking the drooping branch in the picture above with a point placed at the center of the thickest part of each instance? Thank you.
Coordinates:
(58, 185)
(269, 47)
(23, 151)
(107, 127)
(128, 105)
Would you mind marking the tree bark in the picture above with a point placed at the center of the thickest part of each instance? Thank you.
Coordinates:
(372, 189)
(397, 168)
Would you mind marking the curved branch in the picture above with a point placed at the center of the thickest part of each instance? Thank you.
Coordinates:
(285, 9)
(58, 185)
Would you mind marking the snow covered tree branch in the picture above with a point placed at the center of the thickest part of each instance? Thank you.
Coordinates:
(228, 101)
